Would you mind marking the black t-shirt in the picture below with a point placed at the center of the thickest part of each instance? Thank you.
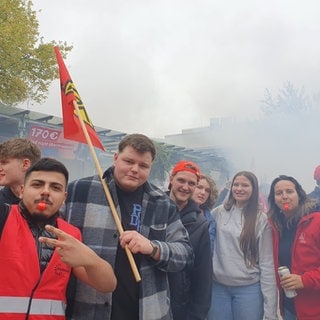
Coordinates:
(125, 299)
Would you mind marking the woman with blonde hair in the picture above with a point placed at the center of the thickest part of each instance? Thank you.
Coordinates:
(205, 195)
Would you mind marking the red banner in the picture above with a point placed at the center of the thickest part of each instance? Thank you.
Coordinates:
(69, 94)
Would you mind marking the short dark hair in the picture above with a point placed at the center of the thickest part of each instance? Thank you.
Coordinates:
(48, 164)
(20, 148)
(139, 142)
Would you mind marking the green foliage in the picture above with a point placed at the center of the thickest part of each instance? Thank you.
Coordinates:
(161, 164)
(27, 64)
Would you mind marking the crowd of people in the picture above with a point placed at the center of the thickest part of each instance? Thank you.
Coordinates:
(201, 253)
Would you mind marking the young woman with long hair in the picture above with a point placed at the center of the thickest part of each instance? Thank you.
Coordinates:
(244, 284)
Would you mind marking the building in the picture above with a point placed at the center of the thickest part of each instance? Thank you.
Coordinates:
(47, 132)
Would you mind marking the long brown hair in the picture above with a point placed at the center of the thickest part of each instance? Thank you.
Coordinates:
(305, 205)
(248, 240)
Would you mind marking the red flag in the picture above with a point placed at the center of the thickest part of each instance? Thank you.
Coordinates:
(71, 125)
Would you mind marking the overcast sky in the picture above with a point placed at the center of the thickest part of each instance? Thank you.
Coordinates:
(157, 67)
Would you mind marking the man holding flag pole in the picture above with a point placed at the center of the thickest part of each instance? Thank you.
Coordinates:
(77, 126)
(144, 224)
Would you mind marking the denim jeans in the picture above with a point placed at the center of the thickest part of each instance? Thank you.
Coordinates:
(236, 302)
(288, 315)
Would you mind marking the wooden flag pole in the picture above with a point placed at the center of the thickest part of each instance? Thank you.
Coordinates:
(107, 192)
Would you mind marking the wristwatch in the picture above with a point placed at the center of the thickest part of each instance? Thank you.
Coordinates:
(154, 250)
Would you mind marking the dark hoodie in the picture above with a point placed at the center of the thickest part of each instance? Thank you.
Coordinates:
(190, 290)
(7, 196)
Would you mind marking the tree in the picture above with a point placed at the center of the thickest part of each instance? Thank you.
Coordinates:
(161, 164)
(27, 64)
(289, 100)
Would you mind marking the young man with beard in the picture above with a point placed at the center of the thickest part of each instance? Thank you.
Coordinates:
(191, 289)
(33, 273)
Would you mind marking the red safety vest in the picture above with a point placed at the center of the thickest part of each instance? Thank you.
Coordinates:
(20, 273)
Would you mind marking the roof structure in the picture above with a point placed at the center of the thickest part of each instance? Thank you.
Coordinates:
(14, 122)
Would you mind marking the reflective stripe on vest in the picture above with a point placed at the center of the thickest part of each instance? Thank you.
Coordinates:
(38, 306)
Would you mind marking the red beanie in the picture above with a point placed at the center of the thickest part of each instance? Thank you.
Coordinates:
(316, 174)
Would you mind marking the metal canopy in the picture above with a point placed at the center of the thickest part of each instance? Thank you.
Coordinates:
(11, 122)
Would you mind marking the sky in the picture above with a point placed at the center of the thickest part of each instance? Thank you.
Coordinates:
(158, 67)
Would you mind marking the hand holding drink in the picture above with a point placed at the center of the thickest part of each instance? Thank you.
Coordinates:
(283, 271)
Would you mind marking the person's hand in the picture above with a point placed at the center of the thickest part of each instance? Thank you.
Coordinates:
(136, 242)
(71, 251)
(291, 282)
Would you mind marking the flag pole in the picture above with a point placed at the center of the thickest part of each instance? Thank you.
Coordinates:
(107, 192)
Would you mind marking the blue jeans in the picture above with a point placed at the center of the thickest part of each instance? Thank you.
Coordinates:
(288, 315)
(236, 302)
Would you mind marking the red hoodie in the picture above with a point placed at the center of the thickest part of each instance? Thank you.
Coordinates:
(305, 261)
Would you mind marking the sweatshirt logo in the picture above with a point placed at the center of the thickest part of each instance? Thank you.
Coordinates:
(135, 216)
(302, 238)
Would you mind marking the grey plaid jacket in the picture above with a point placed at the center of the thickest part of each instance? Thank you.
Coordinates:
(87, 208)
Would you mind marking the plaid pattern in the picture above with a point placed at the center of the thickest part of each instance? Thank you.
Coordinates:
(87, 208)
